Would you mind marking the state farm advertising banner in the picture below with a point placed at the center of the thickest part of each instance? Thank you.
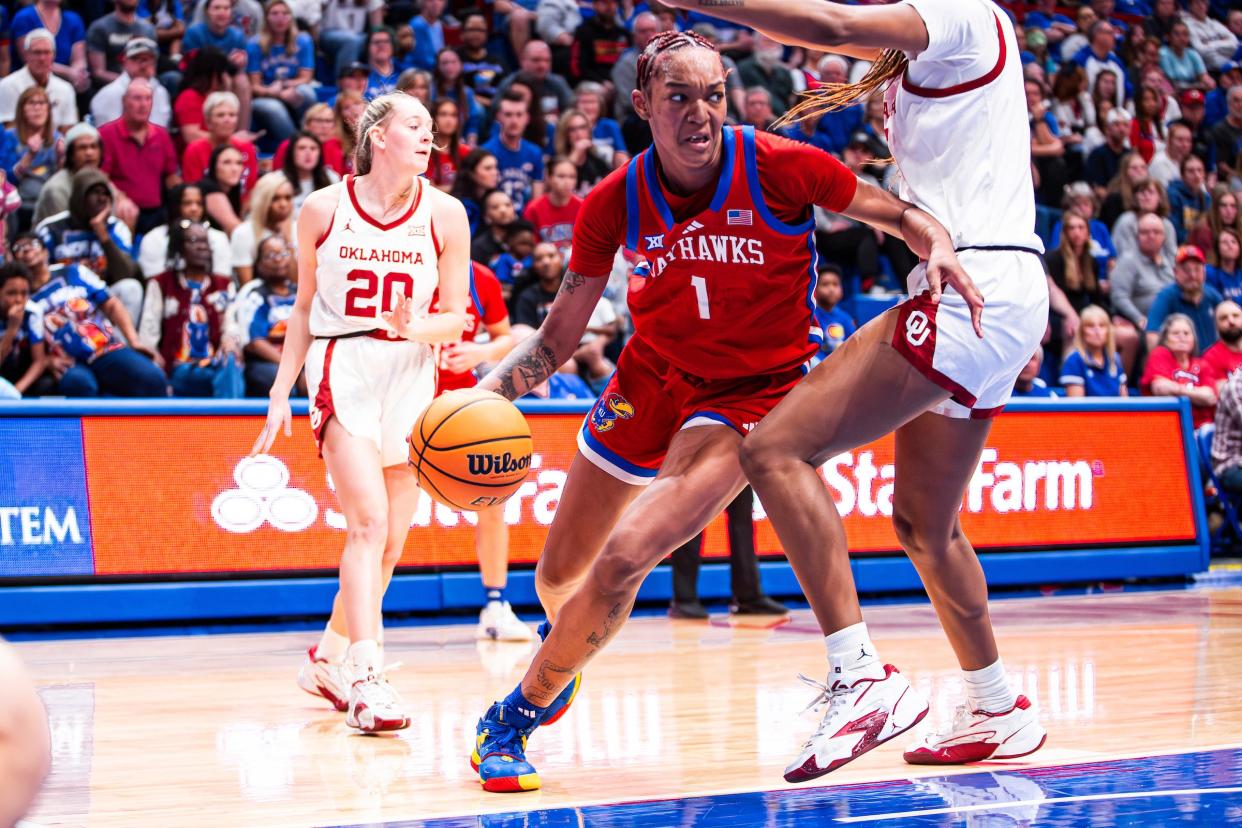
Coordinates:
(165, 495)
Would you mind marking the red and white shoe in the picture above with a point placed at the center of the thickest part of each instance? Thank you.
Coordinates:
(975, 736)
(326, 679)
(860, 716)
(374, 706)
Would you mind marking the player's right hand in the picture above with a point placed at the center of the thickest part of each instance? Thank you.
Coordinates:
(278, 413)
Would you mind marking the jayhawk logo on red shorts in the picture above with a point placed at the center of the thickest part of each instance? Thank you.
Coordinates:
(609, 409)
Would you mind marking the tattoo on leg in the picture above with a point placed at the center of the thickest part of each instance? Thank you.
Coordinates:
(547, 679)
(598, 640)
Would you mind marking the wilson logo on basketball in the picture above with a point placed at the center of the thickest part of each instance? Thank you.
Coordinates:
(495, 464)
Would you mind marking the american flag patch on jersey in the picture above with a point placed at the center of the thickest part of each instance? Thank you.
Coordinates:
(744, 217)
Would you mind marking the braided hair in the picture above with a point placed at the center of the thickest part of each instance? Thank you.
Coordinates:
(830, 97)
(664, 42)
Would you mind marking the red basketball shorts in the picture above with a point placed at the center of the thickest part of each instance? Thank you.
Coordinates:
(648, 400)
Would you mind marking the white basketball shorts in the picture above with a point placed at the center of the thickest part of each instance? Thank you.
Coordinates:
(376, 388)
(940, 341)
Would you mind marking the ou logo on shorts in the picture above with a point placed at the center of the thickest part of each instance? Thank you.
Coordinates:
(918, 328)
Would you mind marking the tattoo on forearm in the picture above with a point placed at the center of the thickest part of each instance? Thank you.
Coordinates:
(720, 4)
(572, 282)
(529, 364)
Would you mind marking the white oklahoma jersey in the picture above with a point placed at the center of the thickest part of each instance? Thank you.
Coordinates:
(957, 125)
(375, 383)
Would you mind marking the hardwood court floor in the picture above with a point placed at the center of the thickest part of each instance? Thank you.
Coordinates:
(212, 730)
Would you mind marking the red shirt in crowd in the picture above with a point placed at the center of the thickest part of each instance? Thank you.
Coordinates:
(138, 170)
(1197, 373)
(1221, 360)
(443, 167)
(188, 111)
(487, 307)
(553, 224)
(198, 156)
(333, 156)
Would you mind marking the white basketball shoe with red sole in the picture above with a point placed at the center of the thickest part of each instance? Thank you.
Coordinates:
(325, 679)
(861, 716)
(976, 736)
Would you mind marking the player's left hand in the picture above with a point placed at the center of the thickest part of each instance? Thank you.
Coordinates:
(401, 318)
(943, 269)
(459, 357)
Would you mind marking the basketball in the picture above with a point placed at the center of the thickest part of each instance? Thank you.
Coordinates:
(470, 449)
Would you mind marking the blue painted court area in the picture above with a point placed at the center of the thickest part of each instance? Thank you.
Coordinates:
(1202, 788)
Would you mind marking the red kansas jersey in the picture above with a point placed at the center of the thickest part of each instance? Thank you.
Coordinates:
(729, 277)
(487, 307)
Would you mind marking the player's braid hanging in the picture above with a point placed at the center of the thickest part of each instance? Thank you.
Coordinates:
(833, 96)
(666, 42)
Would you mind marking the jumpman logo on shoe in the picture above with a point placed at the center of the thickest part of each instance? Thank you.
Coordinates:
(862, 653)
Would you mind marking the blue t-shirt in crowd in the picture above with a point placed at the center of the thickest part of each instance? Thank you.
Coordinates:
(380, 84)
(507, 267)
(29, 333)
(264, 314)
(72, 30)
(1038, 389)
(1169, 301)
(816, 139)
(276, 65)
(428, 41)
(1096, 381)
(71, 303)
(608, 134)
(838, 126)
(519, 169)
(199, 36)
(837, 326)
(1227, 284)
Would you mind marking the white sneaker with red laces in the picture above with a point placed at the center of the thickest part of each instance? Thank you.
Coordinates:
(860, 716)
(324, 678)
(374, 706)
(975, 736)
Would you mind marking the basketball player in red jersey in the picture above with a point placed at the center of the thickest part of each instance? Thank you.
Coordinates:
(955, 118)
(372, 251)
(485, 312)
(723, 328)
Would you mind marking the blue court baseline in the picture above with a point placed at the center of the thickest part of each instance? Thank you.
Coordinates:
(1202, 788)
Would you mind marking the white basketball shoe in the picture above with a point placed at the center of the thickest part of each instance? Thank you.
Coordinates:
(329, 680)
(861, 715)
(497, 622)
(374, 706)
(974, 736)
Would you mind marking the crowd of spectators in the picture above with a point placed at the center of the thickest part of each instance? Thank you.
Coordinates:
(156, 153)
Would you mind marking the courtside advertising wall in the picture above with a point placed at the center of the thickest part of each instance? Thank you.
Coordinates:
(166, 491)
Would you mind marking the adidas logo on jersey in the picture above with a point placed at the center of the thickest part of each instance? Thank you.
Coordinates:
(692, 227)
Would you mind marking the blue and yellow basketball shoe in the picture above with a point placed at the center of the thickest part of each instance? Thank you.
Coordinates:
(500, 750)
(560, 705)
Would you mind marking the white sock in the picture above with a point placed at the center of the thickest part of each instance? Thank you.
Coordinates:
(332, 645)
(379, 632)
(989, 690)
(364, 658)
(851, 653)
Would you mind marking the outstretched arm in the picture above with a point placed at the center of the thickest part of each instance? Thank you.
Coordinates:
(857, 31)
(537, 358)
